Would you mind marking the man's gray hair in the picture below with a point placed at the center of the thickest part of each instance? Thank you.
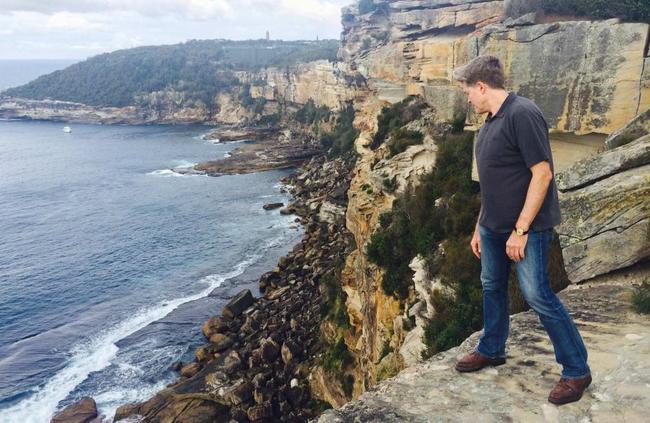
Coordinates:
(484, 68)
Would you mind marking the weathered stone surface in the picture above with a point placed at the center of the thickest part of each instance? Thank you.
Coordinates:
(606, 225)
(170, 407)
(637, 127)
(323, 81)
(238, 303)
(82, 411)
(220, 342)
(590, 84)
(239, 393)
(190, 369)
(590, 169)
(576, 71)
(216, 324)
(617, 340)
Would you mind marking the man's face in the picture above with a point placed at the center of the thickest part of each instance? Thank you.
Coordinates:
(476, 96)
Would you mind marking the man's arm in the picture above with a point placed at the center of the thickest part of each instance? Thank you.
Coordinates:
(539, 183)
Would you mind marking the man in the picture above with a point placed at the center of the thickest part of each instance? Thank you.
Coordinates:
(519, 208)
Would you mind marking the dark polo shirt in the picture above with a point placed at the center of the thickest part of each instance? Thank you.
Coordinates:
(508, 144)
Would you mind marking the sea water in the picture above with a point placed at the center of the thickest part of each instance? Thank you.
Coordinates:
(110, 262)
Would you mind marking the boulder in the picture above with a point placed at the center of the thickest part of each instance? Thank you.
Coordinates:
(271, 206)
(606, 225)
(590, 169)
(216, 324)
(220, 342)
(260, 412)
(239, 393)
(190, 369)
(82, 411)
(635, 128)
(238, 303)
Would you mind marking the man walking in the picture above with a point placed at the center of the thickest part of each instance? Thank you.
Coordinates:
(519, 208)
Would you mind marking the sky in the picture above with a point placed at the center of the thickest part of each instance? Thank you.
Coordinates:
(78, 29)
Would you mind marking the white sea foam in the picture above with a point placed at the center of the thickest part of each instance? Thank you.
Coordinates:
(99, 350)
(177, 164)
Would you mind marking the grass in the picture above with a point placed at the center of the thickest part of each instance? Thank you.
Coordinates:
(641, 298)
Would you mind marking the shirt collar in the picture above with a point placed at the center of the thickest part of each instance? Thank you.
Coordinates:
(509, 98)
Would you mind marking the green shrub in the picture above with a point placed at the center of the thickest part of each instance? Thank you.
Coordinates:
(258, 105)
(333, 307)
(627, 10)
(390, 184)
(415, 226)
(641, 298)
(401, 139)
(309, 113)
(340, 141)
(394, 117)
(269, 120)
(347, 383)
(458, 123)
(385, 350)
(336, 356)
(366, 6)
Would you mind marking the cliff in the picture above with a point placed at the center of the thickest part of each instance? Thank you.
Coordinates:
(618, 343)
(591, 79)
(256, 94)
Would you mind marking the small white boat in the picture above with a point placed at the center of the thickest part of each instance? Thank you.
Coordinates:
(67, 129)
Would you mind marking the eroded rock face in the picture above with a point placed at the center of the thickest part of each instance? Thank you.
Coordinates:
(576, 71)
(605, 207)
(617, 342)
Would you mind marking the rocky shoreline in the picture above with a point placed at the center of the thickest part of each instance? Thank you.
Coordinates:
(256, 363)
(265, 149)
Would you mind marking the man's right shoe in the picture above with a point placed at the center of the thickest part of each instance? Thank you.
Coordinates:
(475, 361)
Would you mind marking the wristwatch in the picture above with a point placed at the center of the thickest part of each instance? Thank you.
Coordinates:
(520, 231)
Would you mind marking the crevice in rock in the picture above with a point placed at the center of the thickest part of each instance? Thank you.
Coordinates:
(550, 30)
(441, 6)
(458, 30)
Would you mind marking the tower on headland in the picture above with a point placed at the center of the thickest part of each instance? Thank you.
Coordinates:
(267, 35)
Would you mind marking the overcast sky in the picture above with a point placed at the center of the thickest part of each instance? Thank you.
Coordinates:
(77, 29)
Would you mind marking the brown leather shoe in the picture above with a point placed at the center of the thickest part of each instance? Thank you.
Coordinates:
(475, 361)
(569, 390)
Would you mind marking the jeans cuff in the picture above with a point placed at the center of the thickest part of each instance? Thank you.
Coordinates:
(487, 356)
(576, 377)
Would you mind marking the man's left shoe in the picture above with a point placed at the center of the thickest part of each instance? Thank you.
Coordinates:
(569, 390)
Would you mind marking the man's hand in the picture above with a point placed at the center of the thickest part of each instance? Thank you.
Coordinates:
(476, 244)
(515, 246)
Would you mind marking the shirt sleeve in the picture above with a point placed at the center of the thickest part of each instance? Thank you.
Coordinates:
(531, 135)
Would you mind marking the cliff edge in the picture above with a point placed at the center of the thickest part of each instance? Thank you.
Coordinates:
(618, 344)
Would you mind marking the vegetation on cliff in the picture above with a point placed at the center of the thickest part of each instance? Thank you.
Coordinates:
(627, 10)
(641, 298)
(196, 69)
(392, 118)
(436, 220)
(339, 141)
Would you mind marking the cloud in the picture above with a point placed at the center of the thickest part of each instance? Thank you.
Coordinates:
(66, 20)
(71, 28)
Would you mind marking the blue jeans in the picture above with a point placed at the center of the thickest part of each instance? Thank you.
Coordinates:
(569, 347)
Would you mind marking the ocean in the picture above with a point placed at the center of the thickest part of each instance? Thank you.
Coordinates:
(110, 263)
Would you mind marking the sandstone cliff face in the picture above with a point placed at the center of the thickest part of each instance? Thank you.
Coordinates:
(327, 83)
(586, 76)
